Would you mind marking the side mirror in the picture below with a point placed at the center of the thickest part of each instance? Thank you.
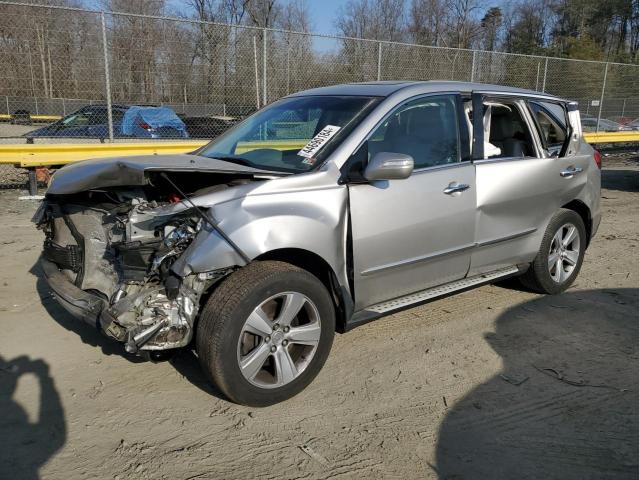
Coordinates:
(389, 166)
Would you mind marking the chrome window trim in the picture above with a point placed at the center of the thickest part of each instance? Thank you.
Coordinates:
(445, 166)
(484, 161)
(523, 95)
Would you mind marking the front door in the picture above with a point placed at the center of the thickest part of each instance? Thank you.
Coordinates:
(415, 233)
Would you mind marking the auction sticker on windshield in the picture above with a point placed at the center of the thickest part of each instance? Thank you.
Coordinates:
(318, 141)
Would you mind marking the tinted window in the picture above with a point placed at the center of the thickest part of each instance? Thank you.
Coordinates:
(427, 129)
(551, 123)
(86, 117)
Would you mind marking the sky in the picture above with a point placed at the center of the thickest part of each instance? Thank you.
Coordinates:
(323, 13)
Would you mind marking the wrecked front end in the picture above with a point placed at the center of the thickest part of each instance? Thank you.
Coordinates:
(109, 254)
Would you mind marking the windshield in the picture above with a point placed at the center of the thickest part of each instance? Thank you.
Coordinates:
(292, 135)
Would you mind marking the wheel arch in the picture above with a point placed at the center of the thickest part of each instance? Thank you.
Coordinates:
(581, 209)
(320, 268)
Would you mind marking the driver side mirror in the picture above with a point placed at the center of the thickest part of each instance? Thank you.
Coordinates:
(389, 166)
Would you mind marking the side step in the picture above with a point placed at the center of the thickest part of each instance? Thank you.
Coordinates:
(375, 311)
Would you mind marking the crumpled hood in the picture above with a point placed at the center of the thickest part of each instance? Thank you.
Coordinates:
(130, 171)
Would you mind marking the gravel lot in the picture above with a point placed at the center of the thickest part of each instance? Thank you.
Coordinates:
(492, 383)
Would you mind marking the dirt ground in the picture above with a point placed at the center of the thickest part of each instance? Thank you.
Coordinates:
(492, 383)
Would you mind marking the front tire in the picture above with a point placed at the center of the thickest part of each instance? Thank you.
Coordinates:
(560, 256)
(265, 333)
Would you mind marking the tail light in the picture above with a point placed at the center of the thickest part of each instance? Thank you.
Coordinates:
(145, 126)
(597, 157)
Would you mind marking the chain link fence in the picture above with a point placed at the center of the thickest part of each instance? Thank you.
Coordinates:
(87, 76)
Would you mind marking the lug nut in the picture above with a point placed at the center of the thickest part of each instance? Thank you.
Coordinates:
(273, 349)
(284, 343)
(276, 326)
(286, 329)
(267, 338)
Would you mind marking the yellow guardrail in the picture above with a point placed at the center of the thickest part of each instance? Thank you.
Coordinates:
(612, 137)
(41, 155)
(35, 118)
(52, 154)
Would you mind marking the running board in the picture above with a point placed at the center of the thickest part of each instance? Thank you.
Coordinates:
(375, 311)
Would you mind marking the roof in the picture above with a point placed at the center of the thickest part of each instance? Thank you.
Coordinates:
(387, 88)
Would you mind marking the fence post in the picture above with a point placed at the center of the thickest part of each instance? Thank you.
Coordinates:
(64, 110)
(288, 67)
(603, 90)
(623, 108)
(264, 68)
(537, 78)
(379, 61)
(6, 98)
(472, 67)
(257, 77)
(36, 105)
(543, 85)
(107, 78)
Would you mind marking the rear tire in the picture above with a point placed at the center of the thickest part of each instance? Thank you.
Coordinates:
(265, 333)
(560, 255)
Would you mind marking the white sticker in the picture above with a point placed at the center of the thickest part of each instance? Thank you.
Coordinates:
(318, 141)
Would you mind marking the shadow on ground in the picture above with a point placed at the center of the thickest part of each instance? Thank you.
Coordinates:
(87, 333)
(574, 416)
(621, 180)
(26, 445)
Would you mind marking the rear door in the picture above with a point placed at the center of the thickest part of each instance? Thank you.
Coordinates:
(414, 233)
(521, 185)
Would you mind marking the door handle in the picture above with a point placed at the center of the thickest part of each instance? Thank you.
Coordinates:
(456, 188)
(571, 172)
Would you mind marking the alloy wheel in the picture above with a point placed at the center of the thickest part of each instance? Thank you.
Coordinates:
(564, 252)
(278, 340)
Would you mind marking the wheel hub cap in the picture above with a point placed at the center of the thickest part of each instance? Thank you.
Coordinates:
(276, 338)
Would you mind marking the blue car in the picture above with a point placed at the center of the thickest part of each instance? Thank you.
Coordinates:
(128, 122)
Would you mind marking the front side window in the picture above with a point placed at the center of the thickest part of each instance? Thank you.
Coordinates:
(427, 129)
(292, 135)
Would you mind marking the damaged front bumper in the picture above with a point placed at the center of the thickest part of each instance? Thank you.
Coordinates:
(82, 305)
(165, 324)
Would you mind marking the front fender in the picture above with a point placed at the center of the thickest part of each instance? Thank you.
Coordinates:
(309, 219)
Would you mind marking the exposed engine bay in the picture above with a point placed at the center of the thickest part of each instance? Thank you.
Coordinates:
(118, 244)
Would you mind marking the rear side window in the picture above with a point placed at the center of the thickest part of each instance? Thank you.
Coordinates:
(506, 134)
(551, 122)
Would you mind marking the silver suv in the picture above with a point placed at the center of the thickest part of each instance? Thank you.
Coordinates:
(323, 211)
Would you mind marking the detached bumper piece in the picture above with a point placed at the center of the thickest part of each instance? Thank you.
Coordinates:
(82, 305)
(68, 258)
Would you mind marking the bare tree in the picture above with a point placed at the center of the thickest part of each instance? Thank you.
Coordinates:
(426, 24)
(378, 20)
